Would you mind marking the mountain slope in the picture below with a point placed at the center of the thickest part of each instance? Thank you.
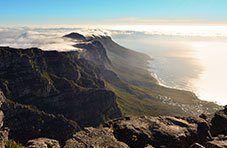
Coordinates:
(144, 95)
(50, 92)
(57, 83)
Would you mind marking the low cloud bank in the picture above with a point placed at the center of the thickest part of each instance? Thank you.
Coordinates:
(44, 38)
(51, 38)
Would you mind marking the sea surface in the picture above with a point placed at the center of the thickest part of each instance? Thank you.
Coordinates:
(194, 63)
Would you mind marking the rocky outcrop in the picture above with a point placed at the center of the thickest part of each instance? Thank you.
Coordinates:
(217, 142)
(92, 137)
(219, 123)
(95, 52)
(57, 83)
(160, 131)
(42, 143)
(3, 131)
(148, 131)
(27, 123)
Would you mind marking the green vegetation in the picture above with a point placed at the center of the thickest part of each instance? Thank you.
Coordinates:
(141, 93)
(141, 103)
(13, 144)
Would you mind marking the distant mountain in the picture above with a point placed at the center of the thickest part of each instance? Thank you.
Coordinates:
(75, 36)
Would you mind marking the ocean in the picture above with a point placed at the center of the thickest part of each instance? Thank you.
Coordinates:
(194, 63)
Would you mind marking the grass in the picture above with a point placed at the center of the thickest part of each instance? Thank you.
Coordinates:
(142, 95)
(13, 144)
(141, 104)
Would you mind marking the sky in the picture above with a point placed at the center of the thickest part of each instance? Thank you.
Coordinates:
(44, 12)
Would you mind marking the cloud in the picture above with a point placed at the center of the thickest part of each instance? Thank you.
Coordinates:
(44, 38)
(51, 38)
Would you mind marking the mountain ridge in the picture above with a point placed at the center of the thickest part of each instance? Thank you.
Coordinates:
(88, 87)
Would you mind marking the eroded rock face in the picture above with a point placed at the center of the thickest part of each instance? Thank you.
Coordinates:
(3, 131)
(42, 143)
(27, 123)
(95, 52)
(159, 131)
(58, 83)
(219, 123)
(218, 142)
(163, 131)
(93, 137)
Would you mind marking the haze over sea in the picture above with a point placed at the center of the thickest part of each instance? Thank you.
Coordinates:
(184, 57)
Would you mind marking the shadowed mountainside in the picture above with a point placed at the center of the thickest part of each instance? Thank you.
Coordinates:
(57, 83)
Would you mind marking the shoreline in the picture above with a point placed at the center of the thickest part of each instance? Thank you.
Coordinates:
(155, 76)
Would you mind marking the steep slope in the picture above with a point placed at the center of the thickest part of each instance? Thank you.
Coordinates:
(143, 94)
(27, 123)
(57, 83)
(55, 94)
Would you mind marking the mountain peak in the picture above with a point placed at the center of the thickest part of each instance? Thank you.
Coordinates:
(76, 36)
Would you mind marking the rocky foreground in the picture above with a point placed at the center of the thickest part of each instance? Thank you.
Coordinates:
(146, 131)
(170, 132)
(163, 131)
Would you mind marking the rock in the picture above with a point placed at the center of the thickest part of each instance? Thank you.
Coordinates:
(26, 122)
(218, 142)
(196, 145)
(4, 132)
(92, 137)
(95, 52)
(219, 123)
(59, 83)
(42, 143)
(203, 116)
(159, 131)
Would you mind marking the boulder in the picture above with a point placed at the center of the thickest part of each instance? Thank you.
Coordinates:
(93, 137)
(160, 131)
(43, 143)
(218, 142)
(219, 123)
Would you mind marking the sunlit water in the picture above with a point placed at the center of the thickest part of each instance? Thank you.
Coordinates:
(197, 64)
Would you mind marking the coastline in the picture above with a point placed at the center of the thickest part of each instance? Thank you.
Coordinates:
(161, 83)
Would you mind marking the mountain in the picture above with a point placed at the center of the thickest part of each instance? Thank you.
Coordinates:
(143, 94)
(58, 83)
(51, 94)
(144, 131)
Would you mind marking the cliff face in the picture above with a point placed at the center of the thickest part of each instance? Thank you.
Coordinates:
(3, 131)
(139, 92)
(27, 123)
(57, 83)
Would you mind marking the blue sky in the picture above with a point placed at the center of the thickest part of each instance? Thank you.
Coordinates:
(27, 12)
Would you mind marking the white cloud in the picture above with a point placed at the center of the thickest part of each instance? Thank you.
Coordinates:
(51, 38)
(44, 38)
